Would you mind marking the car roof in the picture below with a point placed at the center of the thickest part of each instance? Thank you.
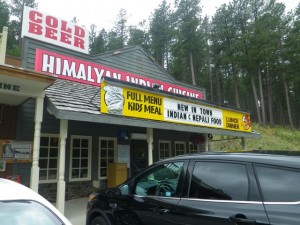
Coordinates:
(292, 161)
(11, 190)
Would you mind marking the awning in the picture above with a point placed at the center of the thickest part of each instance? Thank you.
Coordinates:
(18, 84)
(80, 102)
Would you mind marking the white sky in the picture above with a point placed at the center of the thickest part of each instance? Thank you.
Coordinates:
(104, 13)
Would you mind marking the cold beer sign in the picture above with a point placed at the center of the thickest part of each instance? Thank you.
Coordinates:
(43, 27)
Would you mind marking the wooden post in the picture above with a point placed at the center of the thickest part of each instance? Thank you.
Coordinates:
(35, 170)
(150, 145)
(61, 184)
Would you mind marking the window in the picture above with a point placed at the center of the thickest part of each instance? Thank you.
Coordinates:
(179, 148)
(48, 160)
(26, 213)
(164, 149)
(80, 158)
(279, 185)
(107, 149)
(160, 181)
(193, 148)
(221, 181)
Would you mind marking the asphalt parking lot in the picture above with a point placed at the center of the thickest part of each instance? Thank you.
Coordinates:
(75, 211)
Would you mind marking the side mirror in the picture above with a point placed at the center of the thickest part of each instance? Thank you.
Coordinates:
(124, 189)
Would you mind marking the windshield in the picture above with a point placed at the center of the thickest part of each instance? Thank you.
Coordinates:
(26, 213)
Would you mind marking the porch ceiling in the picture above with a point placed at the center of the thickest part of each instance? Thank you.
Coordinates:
(18, 84)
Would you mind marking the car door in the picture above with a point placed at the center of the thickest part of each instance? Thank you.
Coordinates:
(153, 196)
(280, 187)
(221, 193)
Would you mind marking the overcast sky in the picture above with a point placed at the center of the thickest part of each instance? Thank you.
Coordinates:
(104, 13)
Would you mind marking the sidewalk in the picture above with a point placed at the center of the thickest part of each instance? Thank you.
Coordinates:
(75, 211)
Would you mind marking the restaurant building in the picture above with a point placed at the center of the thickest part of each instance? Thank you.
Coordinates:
(67, 116)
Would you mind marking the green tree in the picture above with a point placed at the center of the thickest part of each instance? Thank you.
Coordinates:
(138, 36)
(186, 20)
(4, 14)
(98, 44)
(161, 33)
(226, 37)
(203, 57)
(290, 61)
(113, 41)
(16, 7)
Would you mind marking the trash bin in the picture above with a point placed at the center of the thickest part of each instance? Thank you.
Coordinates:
(116, 174)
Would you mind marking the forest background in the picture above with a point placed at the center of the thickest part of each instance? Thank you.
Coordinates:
(246, 56)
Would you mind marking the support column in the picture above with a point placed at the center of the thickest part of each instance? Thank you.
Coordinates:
(3, 41)
(243, 143)
(35, 170)
(61, 184)
(150, 145)
(206, 142)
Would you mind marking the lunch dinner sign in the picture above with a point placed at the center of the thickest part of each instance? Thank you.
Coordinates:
(130, 102)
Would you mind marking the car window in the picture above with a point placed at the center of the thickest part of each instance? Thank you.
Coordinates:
(26, 213)
(221, 181)
(160, 181)
(278, 184)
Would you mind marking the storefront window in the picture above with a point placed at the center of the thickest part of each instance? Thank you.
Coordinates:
(192, 148)
(179, 147)
(164, 149)
(107, 149)
(80, 158)
(48, 161)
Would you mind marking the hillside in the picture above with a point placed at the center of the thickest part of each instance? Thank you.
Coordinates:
(277, 138)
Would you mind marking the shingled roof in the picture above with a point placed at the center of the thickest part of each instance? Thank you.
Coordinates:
(72, 96)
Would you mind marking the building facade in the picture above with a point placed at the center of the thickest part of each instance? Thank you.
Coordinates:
(68, 134)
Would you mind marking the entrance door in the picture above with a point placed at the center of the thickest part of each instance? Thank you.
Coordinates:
(138, 156)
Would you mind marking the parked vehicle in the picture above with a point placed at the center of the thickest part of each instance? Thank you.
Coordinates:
(20, 205)
(208, 188)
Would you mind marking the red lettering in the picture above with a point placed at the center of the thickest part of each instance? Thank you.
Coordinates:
(34, 16)
(64, 37)
(51, 22)
(79, 31)
(78, 42)
(64, 27)
(35, 28)
(51, 33)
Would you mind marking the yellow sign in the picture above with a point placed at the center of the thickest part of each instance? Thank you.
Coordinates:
(131, 102)
(236, 121)
(140, 104)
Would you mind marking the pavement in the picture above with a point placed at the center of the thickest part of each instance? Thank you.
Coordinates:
(75, 210)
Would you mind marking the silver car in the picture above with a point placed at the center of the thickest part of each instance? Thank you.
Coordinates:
(20, 205)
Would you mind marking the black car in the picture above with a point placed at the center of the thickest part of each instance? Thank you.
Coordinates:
(208, 189)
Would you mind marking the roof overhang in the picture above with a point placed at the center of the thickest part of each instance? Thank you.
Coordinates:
(18, 84)
(71, 113)
(125, 121)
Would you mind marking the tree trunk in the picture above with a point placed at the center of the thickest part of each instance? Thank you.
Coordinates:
(211, 84)
(262, 101)
(287, 100)
(192, 68)
(218, 81)
(256, 100)
(236, 92)
(281, 114)
(270, 97)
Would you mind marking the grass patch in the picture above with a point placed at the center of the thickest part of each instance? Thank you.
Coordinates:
(276, 138)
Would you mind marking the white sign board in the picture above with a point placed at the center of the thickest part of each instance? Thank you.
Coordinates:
(47, 28)
(124, 154)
